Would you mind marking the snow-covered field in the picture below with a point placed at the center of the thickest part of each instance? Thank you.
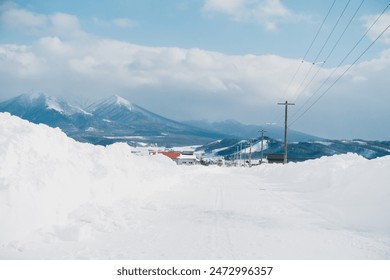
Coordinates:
(60, 199)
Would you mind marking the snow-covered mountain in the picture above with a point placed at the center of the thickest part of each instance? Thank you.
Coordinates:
(114, 119)
(126, 121)
(123, 113)
(28, 103)
(41, 108)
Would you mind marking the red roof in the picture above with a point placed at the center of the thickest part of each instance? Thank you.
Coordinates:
(171, 155)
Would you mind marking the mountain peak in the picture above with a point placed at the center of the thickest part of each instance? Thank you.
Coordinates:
(113, 101)
(46, 102)
(30, 97)
(121, 101)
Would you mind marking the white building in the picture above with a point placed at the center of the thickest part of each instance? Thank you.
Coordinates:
(182, 158)
(185, 159)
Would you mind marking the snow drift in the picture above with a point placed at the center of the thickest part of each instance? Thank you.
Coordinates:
(64, 199)
(44, 175)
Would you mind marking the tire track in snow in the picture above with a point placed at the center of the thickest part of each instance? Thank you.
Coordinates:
(221, 222)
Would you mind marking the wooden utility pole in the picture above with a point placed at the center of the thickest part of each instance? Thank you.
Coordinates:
(241, 154)
(262, 145)
(285, 129)
(237, 156)
(250, 152)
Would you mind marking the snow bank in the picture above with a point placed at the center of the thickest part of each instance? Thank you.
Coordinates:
(346, 188)
(64, 199)
(44, 175)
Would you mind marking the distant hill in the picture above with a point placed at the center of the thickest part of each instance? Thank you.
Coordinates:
(297, 151)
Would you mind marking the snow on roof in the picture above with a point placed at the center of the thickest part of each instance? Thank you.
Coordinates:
(187, 156)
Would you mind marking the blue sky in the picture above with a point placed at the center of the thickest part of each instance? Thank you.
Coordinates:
(205, 59)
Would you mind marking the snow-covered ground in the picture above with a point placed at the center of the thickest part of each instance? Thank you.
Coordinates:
(60, 199)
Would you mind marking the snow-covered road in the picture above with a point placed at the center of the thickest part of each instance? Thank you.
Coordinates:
(212, 219)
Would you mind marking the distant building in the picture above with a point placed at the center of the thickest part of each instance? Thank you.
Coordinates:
(184, 158)
(275, 158)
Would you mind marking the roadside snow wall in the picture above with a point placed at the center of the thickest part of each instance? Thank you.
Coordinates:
(44, 175)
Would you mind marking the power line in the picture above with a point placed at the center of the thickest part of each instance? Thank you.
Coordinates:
(318, 32)
(338, 66)
(308, 50)
(327, 58)
(327, 90)
(333, 29)
(322, 48)
(311, 45)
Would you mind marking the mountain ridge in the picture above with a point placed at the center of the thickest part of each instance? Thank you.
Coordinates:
(114, 119)
(237, 129)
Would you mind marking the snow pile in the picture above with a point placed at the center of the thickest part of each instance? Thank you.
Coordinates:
(44, 175)
(64, 199)
(348, 188)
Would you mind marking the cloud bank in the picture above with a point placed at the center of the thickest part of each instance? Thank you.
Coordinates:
(182, 83)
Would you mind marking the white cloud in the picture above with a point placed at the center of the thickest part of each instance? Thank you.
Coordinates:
(231, 7)
(18, 18)
(20, 62)
(124, 23)
(267, 13)
(48, 46)
(379, 27)
(58, 24)
(64, 22)
(117, 22)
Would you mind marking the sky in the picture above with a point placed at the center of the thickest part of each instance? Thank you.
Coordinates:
(209, 59)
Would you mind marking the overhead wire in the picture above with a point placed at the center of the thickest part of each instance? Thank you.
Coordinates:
(310, 46)
(331, 86)
(318, 32)
(342, 61)
(308, 50)
(326, 60)
(322, 49)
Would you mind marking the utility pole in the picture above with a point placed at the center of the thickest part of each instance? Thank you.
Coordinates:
(250, 152)
(241, 154)
(237, 156)
(262, 145)
(285, 129)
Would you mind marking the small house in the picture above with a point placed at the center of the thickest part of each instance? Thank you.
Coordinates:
(186, 158)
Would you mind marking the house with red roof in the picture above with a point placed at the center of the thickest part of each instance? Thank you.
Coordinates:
(184, 158)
